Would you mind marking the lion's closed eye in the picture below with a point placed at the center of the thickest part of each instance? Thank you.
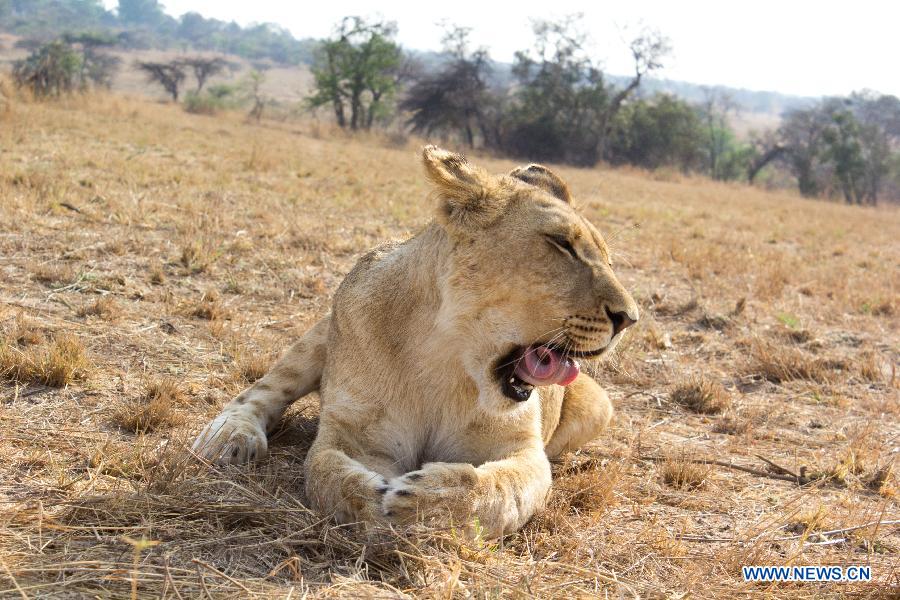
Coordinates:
(562, 244)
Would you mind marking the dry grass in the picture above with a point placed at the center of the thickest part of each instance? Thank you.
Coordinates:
(780, 364)
(251, 366)
(701, 395)
(104, 307)
(682, 473)
(155, 409)
(208, 307)
(221, 242)
(55, 363)
(53, 274)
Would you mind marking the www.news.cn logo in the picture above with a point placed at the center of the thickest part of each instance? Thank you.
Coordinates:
(807, 573)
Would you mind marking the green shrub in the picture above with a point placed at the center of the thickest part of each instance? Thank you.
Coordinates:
(202, 104)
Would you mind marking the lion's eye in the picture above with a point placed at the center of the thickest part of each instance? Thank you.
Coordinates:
(562, 244)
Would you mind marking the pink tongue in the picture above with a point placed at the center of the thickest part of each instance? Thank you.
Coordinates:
(542, 365)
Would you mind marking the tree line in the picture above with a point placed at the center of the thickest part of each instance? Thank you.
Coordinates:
(142, 24)
(554, 104)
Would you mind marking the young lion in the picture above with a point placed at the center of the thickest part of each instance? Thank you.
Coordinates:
(428, 363)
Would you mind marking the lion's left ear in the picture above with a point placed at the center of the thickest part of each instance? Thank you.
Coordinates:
(542, 177)
(468, 194)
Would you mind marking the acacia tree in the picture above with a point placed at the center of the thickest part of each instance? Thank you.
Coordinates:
(357, 71)
(453, 98)
(204, 68)
(170, 75)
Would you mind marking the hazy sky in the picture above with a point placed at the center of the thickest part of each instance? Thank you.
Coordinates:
(791, 46)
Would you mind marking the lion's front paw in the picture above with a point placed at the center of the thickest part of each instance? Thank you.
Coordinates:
(232, 439)
(439, 493)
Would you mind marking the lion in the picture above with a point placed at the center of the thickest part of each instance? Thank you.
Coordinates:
(448, 365)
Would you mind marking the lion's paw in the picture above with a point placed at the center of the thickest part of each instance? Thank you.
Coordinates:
(232, 439)
(439, 492)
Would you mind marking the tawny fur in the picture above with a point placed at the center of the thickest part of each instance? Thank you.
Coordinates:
(414, 425)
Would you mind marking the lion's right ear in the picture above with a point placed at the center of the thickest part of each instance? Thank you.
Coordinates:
(542, 177)
(465, 191)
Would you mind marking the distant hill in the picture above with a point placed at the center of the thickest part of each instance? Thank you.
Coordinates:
(764, 102)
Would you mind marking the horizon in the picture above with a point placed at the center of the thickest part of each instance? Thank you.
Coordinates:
(738, 61)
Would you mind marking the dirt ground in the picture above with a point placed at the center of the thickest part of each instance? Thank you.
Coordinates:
(152, 263)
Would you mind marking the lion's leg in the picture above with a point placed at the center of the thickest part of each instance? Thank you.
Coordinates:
(351, 488)
(238, 433)
(586, 411)
(491, 500)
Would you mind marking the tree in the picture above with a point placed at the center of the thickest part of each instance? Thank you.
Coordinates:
(170, 75)
(253, 85)
(767, 149)
(71, 63)
(357, 71)
(715, 111)
(96, 66)
(563, 108)
(845, 151)
(51, 70)
(802, 135)
(878, 119)
(141, 12)
(845, 143)
(453, 98)
(204, 68)
(47, 19)
(647, 51)
(662, 131)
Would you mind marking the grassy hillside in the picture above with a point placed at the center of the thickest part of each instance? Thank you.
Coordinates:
(152, 263)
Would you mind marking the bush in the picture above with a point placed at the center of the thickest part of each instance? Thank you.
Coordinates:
(74, 62)
(202, 104)
(51, 70)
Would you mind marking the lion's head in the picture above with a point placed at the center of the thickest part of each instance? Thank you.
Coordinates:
(530, 270)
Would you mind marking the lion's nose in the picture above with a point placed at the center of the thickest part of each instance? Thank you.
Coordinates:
(620, 320)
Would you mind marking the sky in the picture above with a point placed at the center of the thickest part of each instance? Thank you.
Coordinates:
(797, 47)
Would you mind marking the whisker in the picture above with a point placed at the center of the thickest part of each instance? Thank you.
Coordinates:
(629, 228)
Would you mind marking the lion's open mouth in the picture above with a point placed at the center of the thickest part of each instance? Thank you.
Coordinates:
(536, 365)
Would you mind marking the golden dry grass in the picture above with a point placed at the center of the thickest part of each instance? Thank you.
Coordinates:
(701, 395)
(154, 409)
(219, 242)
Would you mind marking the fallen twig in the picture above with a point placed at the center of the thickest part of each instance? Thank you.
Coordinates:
(788, 538)
(778, 468)
(728, 465)
(13, 579)
(834, 531)
(70, 207)
(170, 580)
(221, 574)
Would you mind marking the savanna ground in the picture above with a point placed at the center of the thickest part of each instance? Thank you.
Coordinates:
(152, 263)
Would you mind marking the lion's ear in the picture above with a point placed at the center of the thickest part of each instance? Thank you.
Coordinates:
(467, 192)
(542, 177)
